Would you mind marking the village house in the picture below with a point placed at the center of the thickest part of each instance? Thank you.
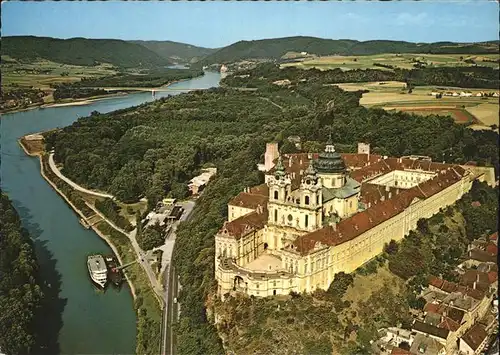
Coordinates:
(198, 183)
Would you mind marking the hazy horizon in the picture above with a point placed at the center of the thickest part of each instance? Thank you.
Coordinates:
(218, 24)
(260, 39)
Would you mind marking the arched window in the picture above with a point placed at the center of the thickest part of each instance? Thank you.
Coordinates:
(307, 221)
(275, 195)
(276, 215)
(306, 200)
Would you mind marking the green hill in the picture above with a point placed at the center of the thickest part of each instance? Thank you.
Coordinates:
(175, 51)
(81, 51)
(277, 47)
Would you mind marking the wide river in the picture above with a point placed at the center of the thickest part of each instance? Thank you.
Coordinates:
(91, 322)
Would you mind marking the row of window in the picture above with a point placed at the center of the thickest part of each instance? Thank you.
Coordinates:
(306, 198)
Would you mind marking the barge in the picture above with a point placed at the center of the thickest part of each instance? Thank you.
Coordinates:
(115, 274)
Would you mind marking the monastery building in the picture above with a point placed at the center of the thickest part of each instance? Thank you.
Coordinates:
(321, 214)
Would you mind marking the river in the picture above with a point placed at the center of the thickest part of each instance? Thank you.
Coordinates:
(87, 321)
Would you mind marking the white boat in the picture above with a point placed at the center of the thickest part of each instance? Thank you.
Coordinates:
(97, 270)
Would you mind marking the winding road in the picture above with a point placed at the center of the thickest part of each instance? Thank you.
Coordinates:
(58, 173)
(169, 292)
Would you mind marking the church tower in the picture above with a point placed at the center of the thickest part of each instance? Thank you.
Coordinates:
(280, 186)
(331, 167)
(311, 198)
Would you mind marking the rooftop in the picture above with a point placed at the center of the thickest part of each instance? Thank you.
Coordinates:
(245, 224)
(425, 345)
(96, 263)
(265, 262)
(361, 222)
(430, 329)
(475, 336)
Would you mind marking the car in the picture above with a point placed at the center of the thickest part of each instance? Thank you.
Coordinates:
(175, 299)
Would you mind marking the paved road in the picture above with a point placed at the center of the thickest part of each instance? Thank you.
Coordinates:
(56, 171)
(141, 256)
(166, 295)
(172, 286)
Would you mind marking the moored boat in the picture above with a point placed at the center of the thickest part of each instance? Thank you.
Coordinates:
(97, 270)
(115, 275)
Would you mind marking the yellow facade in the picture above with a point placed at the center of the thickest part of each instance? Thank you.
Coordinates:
(290, 215)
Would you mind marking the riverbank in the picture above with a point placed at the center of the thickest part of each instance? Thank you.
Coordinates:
(80, 214)
(124, 91)
(64, 103)
(146, 305)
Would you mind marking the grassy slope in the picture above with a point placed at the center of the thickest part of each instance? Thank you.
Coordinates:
(81, 51)
(175, 51)
(277, 47)
(286, 325)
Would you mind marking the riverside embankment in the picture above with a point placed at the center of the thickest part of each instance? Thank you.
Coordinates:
(105, 237)
(92, 322)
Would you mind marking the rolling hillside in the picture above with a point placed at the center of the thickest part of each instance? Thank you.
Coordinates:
(175, 51)
(275, 48)
(81, 51)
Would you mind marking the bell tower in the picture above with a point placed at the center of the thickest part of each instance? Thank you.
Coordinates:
(331, 167)
(311, 199)
(280, 186)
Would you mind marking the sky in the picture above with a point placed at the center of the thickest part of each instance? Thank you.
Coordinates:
(216, 24)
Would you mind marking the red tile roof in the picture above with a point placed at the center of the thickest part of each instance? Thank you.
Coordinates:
(399, 351)
(450, 287)
(433, 308)
(448, 323)
(251, 198)
(492, 276)
(481, 255)
(361, 222)
(494, 236)
(372, 193)
(475, 336)
(492, 249)
(430, 329)
(436, 281)
(262, 189)
(247, 200)
(246, 224)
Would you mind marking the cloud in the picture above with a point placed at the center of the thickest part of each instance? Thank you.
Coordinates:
(355, 17)
(421, 19)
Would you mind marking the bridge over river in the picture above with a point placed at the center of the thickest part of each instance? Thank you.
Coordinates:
(159, 89)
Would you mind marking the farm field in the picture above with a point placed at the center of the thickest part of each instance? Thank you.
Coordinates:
(482, 112)
(403, 61)
(42, 73)
(486, 113)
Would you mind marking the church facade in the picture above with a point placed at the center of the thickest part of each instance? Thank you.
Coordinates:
(320, 214)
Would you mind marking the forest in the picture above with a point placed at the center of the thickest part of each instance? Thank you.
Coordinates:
(152, 150)
(465, 77)
(275, 48)
(81, 51)
(147, 78)
(67, 91)
(21, 296)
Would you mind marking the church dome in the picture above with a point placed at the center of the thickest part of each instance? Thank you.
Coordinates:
(330, 161)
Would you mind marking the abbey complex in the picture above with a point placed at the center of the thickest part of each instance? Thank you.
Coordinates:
(320, 214)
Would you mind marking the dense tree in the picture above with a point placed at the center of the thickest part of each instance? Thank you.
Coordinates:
(152, 149)
(20, 293)
(152, 237)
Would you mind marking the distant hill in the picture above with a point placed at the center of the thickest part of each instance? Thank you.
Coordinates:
(81, 51)
(175, 51)
(277, 47)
